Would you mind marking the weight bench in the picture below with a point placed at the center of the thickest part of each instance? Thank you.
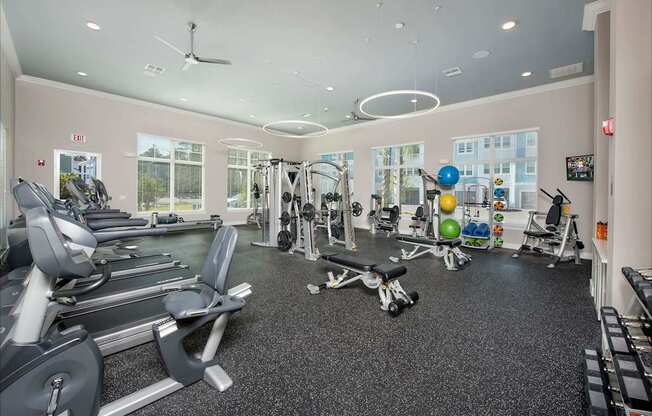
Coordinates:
(383, 277)
(448, 249)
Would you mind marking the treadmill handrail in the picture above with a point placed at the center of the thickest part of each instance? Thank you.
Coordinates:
(67, 293)
(109, 235)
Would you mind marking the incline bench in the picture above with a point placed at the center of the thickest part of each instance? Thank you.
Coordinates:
(448, 249)
(383, 277)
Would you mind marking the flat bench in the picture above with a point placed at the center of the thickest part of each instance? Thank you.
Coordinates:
(383, 277)
(455, 242)
(386, 271)
(449, 249)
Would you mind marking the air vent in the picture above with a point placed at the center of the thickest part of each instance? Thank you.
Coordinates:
(153, 70)
(565, 71)
(452, 72)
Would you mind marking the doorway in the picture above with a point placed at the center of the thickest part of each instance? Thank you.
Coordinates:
(69, 164)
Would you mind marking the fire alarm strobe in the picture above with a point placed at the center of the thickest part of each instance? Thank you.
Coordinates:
(608, 126)
(40, 162)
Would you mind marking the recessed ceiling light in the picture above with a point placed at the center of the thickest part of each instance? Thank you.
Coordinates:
(526, 74)
(399, 25)
(348, 116)
(481, 54)
(252, 116)
(82, 74)
(93, 26)
(299, 127)
(242, 100)
(183, 99)
(414, 101)
(306, 115)
(330, 88)
(509, 25)
(437, 8)
(326, 109)
(296, 73)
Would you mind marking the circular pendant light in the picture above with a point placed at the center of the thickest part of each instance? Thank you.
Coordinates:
(239, 143)
(414, 94)
(274, 129)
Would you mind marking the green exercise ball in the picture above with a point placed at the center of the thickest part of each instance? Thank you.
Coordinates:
(449, 228)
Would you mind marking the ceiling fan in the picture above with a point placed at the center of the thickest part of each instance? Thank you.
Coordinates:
(353, 116)
(190, 57)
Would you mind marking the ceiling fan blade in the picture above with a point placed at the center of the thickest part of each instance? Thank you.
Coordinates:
(169, 45)
(214, 61)
(186, 66)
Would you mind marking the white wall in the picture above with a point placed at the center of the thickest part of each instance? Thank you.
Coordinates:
(9, 69)
(562, 111)
(47, 113)
(630, 153)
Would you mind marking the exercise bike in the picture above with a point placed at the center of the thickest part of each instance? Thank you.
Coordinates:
(49, 370)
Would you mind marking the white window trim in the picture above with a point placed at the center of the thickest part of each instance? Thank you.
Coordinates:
(172, 161)
(57, 166)
(497, 133)
(466, 144)
(249, 168)
(396, 168)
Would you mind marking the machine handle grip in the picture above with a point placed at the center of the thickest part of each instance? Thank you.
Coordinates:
(546, 192)
(103, 236)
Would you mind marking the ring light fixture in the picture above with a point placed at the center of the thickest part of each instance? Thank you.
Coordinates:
(413, 93)
(300, 124)
(241, 143)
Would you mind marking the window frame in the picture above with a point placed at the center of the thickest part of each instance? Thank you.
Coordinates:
(494, 157)
(348, 164)
(466, 144)
(172, 161)
(396, 168)
(535, 167)
(250, 170)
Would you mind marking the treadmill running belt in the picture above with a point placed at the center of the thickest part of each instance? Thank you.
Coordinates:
(135, 262)
(138, 281)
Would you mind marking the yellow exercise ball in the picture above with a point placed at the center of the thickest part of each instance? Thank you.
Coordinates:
(447, 203)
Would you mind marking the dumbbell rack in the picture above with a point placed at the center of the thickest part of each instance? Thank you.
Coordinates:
(467, 184)
(618, 379)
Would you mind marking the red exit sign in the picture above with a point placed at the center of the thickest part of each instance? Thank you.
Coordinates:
(78, 138)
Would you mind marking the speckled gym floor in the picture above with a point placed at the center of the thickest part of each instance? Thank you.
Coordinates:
(502, 337)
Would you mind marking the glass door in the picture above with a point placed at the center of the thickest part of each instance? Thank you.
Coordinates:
(73, 164)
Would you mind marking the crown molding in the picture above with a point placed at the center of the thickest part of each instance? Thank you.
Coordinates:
(569, 83)
(121, 98)
(591, 12)
(7, 44)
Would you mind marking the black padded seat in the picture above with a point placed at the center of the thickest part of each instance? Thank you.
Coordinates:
(539, 234)
(388, 271)
(455, 242)
(114, 223)
(357, 263)
(177, 302)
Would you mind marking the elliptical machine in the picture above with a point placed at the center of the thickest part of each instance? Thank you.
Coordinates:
(49, 371)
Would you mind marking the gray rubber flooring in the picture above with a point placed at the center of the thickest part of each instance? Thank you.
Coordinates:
(502, 337)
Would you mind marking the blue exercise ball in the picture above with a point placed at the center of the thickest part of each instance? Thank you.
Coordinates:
(448, 175)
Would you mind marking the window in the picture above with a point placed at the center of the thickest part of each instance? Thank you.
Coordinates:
(3, 189)
(240, 181)
(170, 174)
(465, 148)
(529, 200)
(396, 175)
(325, 184)
(513, 158)
(530, 167)
(465, 170)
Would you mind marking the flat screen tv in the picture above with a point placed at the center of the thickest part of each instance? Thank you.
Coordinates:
(579, 168)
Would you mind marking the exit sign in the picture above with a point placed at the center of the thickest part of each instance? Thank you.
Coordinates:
(78, 138)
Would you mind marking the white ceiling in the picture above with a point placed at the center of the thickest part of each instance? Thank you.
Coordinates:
(351, 45)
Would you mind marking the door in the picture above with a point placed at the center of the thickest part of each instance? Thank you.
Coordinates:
(69, 164)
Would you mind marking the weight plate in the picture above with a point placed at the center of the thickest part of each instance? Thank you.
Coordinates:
(286, 197)
(284, 240)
